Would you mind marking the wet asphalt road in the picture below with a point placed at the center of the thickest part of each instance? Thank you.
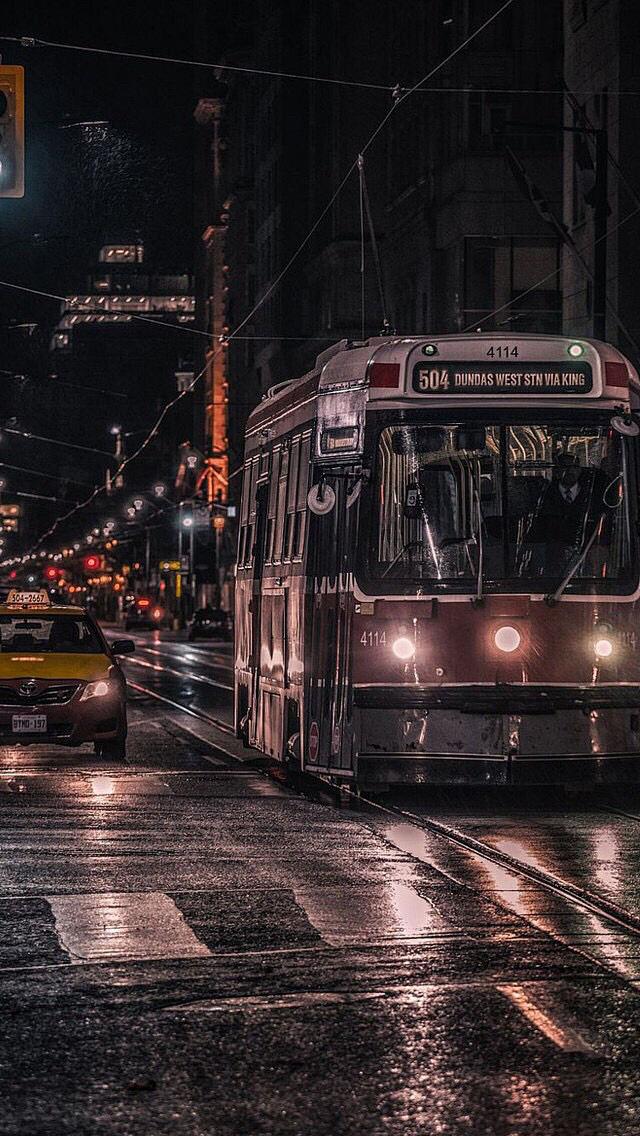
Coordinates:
(189, 947)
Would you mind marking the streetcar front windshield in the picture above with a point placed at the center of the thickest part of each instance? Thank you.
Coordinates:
(522, 505)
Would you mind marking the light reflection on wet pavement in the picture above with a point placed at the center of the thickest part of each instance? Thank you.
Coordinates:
(188, 947)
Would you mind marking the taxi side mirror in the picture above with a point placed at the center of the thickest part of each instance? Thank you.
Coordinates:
(122, 647)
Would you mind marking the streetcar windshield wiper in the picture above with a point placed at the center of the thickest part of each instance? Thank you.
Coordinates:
(405, 548)
(480, 540)
(553, 597)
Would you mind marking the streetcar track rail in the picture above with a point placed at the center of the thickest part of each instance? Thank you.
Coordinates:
(205, 658)
(217, 722)
(180, 674)
(617, 812)
(589, 901)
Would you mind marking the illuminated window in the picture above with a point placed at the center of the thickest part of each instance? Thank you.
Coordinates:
(122, 254)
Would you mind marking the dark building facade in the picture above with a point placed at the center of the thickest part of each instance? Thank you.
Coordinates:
(456, 236)
(601, 75)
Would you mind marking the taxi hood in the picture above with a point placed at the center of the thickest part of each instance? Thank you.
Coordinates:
(30, 664)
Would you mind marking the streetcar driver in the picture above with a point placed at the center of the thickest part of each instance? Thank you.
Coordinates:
(569, 508)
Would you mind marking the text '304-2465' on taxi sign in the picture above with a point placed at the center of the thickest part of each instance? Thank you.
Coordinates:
(510, 378)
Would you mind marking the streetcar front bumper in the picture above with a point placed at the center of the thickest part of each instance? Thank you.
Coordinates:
(398, 769)
(521, 738)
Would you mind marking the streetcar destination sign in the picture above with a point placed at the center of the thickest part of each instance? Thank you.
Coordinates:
(472, 377)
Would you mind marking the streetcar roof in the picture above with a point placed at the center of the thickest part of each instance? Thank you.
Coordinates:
(550, 369)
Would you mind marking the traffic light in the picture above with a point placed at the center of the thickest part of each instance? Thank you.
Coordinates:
(11, 131)
(51, 573)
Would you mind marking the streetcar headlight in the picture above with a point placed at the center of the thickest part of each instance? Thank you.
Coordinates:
(403, 648)
(95, 690)
(603, 648)
(507, 639)
(575, 350)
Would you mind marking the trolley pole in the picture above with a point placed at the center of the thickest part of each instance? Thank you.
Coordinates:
(599, 301)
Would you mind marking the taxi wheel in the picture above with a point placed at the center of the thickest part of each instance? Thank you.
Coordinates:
(115, 750)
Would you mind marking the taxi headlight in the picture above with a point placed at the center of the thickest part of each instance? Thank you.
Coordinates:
(403, 648)
(96, 690)
(603, 648)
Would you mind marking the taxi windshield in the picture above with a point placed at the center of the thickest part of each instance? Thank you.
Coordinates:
(55, 634)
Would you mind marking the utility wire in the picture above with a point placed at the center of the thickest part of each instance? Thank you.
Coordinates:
(56, 441)
(550, 275)
(376, 254)
(157, 322)
(56, 382)
(29, 41)
(35, 496)
(32, 41)
(39, 473)
(362, 263)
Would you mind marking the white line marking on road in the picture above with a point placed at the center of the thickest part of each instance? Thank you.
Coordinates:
(532, 1008)
(122, 926)
(349, 915)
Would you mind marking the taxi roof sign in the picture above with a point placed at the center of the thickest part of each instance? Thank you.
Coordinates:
(18, 598)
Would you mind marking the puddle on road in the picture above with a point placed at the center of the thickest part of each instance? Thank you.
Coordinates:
(62, 784)
(118, 926)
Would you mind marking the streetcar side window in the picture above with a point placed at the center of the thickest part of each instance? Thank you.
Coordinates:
(292, 500)
(244, 516)
(246, 492)
(281, 506)
(272, 506)
(245, 553)
(303, 489)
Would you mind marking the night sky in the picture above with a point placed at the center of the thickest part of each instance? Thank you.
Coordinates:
(149, 107)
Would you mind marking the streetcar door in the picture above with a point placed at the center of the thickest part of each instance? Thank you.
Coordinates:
(329, 648)
(259, 557)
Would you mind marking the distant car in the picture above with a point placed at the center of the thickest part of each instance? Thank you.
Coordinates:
(142, 613)
(60, 680)
(210, 623)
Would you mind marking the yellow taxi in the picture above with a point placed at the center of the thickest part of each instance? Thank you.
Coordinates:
(59, 678)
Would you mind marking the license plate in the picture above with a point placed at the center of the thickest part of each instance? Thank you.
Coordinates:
(29, 723)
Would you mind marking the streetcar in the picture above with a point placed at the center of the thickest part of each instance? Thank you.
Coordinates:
(438, 573)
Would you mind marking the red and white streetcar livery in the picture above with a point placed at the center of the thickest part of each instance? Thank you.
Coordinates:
(438, 572)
